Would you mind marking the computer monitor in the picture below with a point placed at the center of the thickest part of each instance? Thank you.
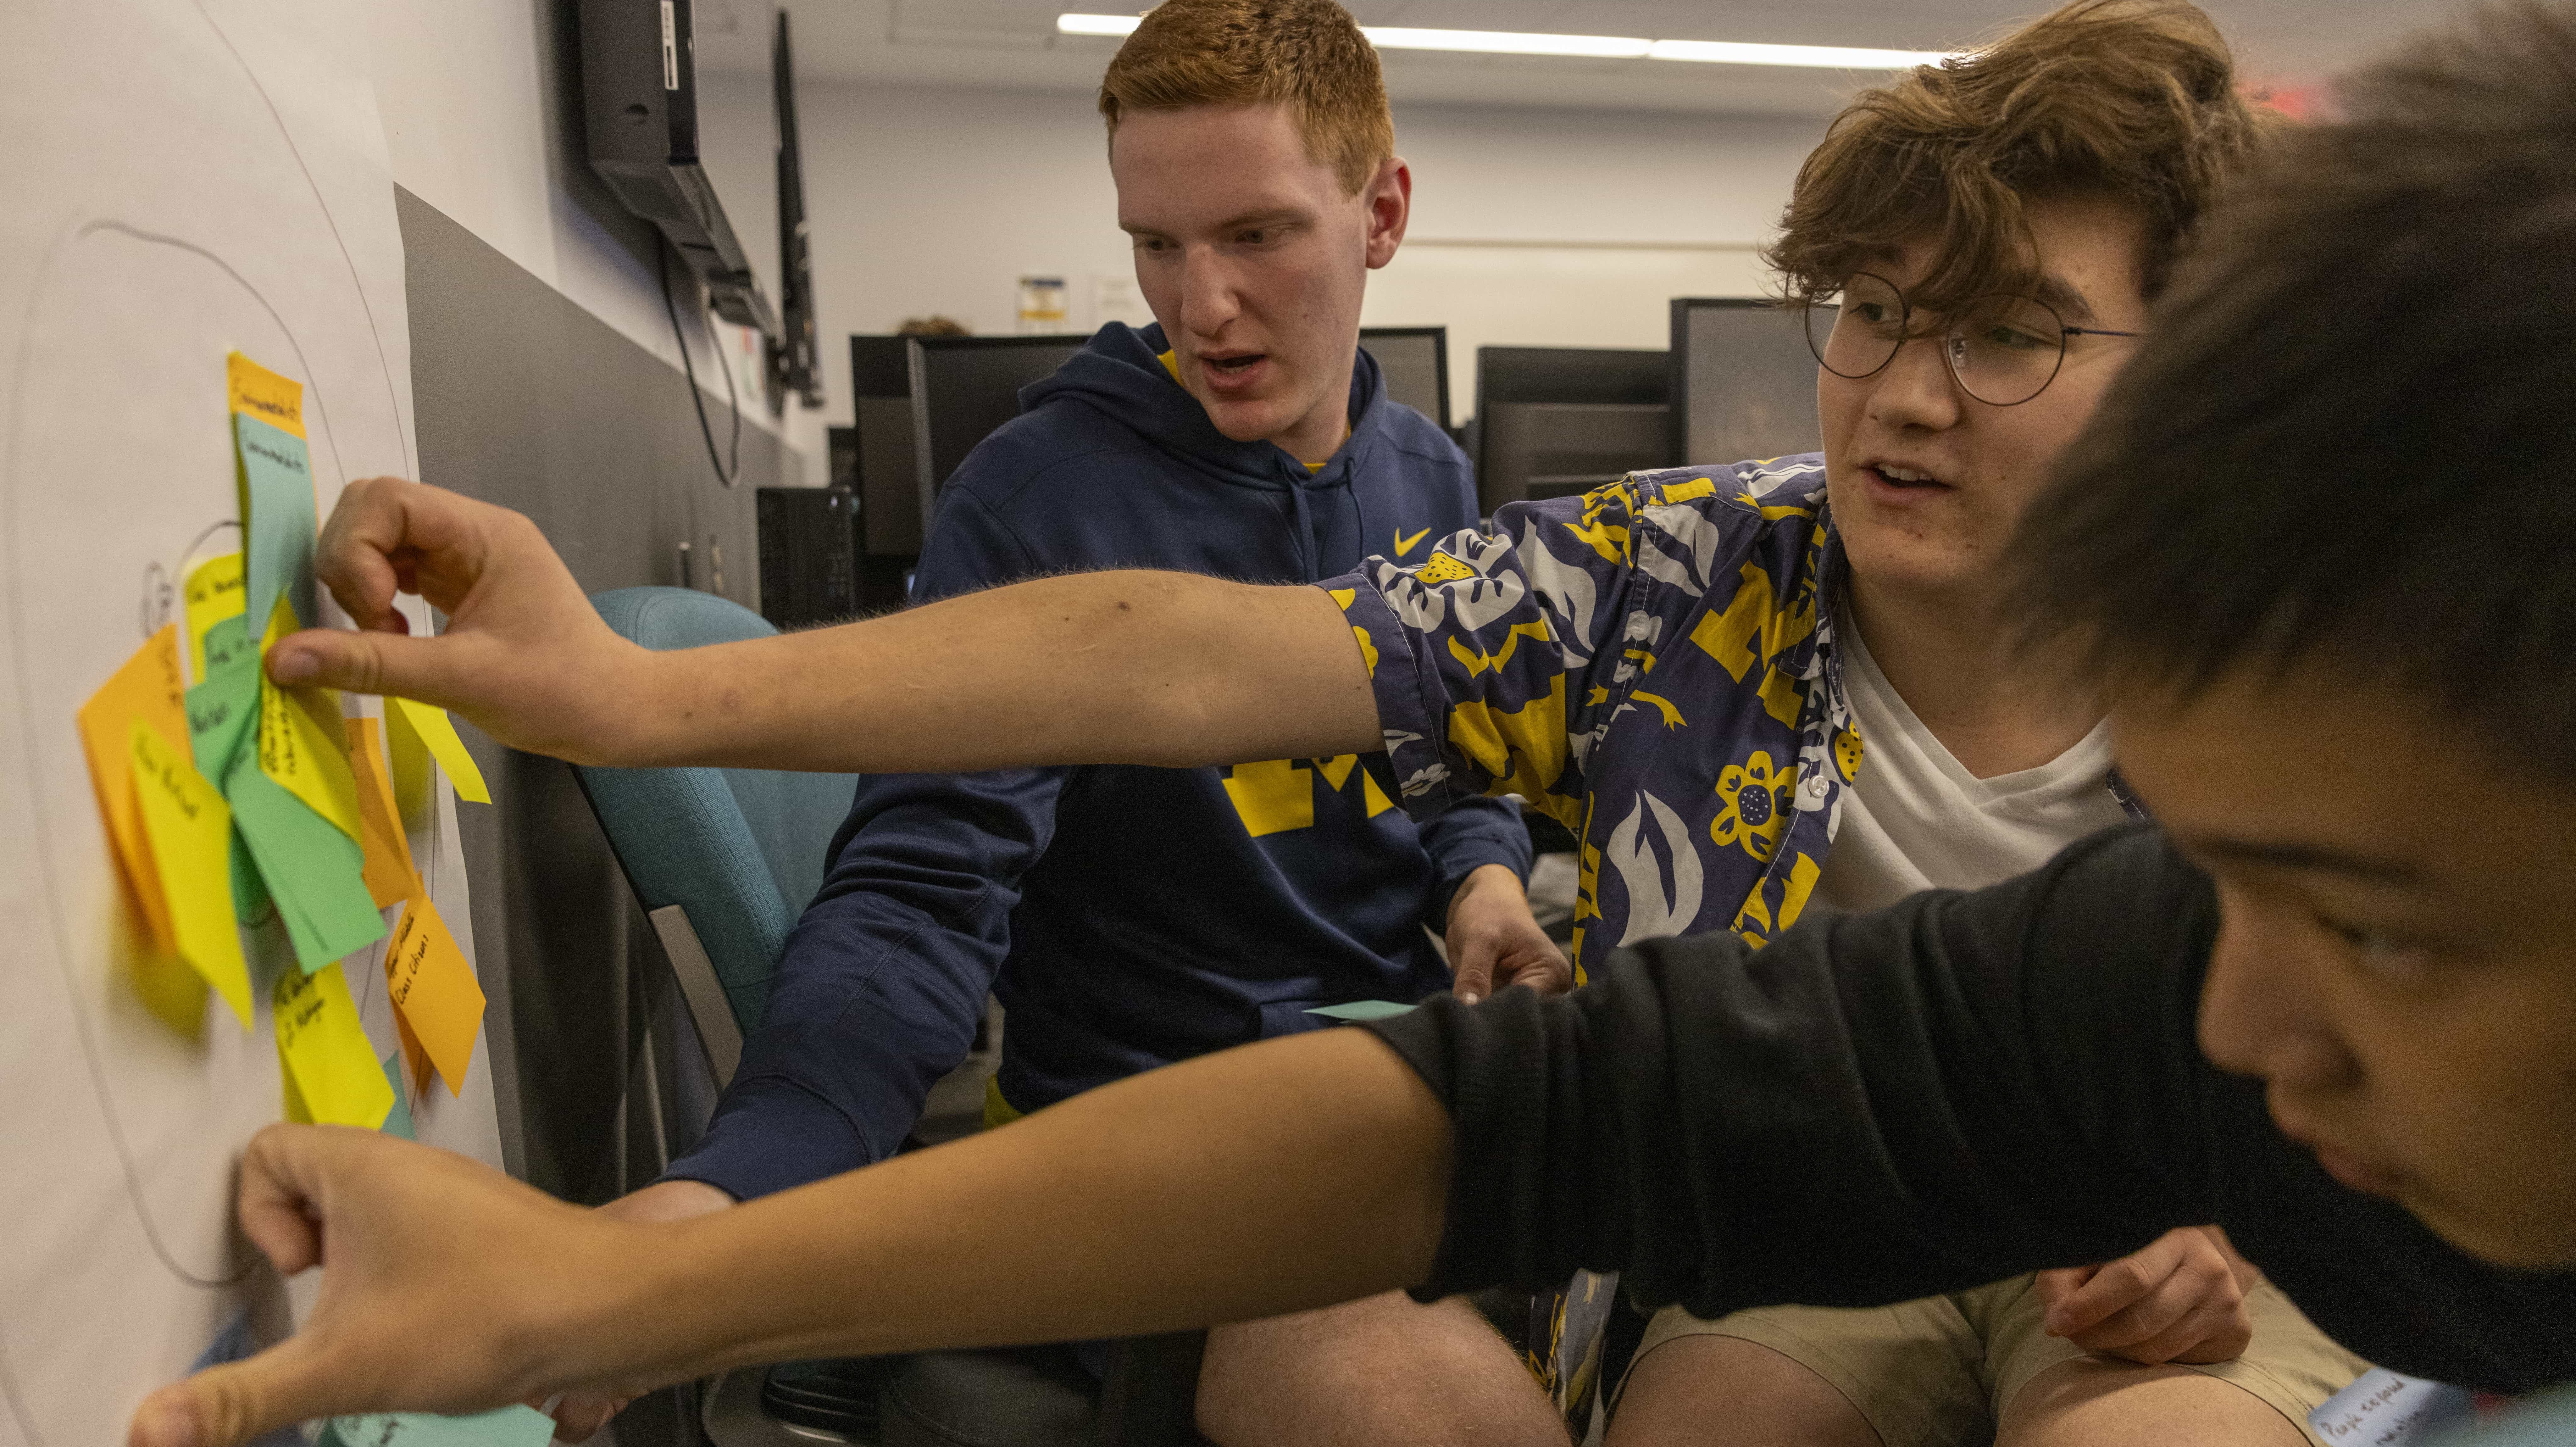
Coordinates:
(962, 389)
(1743, 381)
(1551, 421)
(884, 475)
(1415, 363)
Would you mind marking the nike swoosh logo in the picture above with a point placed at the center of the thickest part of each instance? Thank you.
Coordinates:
(1404, 545)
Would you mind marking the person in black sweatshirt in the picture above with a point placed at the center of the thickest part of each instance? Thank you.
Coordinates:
(2313, 552)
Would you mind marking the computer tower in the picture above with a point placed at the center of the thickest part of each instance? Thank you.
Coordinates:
(809, 555)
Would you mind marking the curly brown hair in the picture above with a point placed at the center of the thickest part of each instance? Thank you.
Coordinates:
(2134, 100)
(1308, 55)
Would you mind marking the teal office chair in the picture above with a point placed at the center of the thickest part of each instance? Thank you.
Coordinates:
(723, 861)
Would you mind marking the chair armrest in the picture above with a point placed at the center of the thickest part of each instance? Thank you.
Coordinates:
(709, 1011)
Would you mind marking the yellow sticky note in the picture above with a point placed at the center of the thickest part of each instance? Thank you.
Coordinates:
(325, 1049)
(391, 876)
(434, 988)
(214, 593)
(303, 741)
(258, 392)
(190, 829)
(437, 733)
(147, 690)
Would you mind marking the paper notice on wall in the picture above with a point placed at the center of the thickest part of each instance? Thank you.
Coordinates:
(190, 829)
(333, 1070)
(437, 733)
(433, 985)
(145, 690)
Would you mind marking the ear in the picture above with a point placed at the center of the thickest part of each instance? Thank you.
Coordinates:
(1389, 199)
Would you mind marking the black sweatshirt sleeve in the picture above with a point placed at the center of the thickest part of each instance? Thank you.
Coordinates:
(1879, 1107)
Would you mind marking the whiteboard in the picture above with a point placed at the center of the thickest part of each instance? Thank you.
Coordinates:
(1549, 294)
(187, 178)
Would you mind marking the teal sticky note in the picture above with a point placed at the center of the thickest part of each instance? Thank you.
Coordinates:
(1363, 1010)
(508, 1427)
(315, 872)
(279, 517)
(399, 1121)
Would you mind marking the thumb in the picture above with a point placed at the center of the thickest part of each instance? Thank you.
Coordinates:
(1471, 971)
(367, 662)
(234, 1404)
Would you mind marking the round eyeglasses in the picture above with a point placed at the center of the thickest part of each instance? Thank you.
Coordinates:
(2002, 350)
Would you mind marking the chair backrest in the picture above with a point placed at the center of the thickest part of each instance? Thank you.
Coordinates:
(740, 850)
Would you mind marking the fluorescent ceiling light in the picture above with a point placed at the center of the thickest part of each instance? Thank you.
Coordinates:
(1505, 42)
(1836, 57)
(1589, 47)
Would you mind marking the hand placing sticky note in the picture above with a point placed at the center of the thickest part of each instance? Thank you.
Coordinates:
(325, 1050)
(390, 874)
(144, 689)
(437, 733)
(433, 985)
(190, 830)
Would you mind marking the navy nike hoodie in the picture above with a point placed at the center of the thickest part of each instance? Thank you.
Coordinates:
(1126, 917)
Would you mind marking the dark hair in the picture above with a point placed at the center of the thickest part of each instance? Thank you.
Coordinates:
(1308, 55)
(2350, 439)
(2133, 100)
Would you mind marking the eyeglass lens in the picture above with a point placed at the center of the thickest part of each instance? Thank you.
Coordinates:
(2002, 349)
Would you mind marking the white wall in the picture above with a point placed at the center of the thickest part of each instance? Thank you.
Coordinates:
(927, 199)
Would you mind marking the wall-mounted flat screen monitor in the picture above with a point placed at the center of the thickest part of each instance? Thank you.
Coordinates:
(1743, 381)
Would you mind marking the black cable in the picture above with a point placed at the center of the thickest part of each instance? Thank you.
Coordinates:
(725, 475)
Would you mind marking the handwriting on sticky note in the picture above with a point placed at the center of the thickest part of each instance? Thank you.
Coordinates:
(325, 1048)
(390, 874)
(214, 592)
(224, 702)
(304, 742)
(146, 689)
(437, 733)
(433, 985)
(255, 391)
(2383, 1409)
(275, 476)
(190, 829)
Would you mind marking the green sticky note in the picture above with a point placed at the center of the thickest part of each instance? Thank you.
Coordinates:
(508, 1427)
(315, 872)
(278, 515)
(398, 1122)
(223, 706)
(1363, 1010)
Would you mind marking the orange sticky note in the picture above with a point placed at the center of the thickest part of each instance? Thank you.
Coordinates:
(415, 1055)
(190, 829)
(255, 391)
(147, 689)
(434, 988)
(391, 876)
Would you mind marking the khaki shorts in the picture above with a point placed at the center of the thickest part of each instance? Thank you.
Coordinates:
(1942, 1370)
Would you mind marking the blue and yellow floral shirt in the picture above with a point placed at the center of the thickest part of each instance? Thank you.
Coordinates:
(1653, 665)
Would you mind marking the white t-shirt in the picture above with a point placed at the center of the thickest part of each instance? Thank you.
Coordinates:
(1915, 819)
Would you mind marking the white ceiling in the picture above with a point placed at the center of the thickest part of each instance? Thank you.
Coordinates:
(1012, 44)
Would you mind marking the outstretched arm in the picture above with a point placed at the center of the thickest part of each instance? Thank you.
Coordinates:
(449, 1287)
(1126, 667)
